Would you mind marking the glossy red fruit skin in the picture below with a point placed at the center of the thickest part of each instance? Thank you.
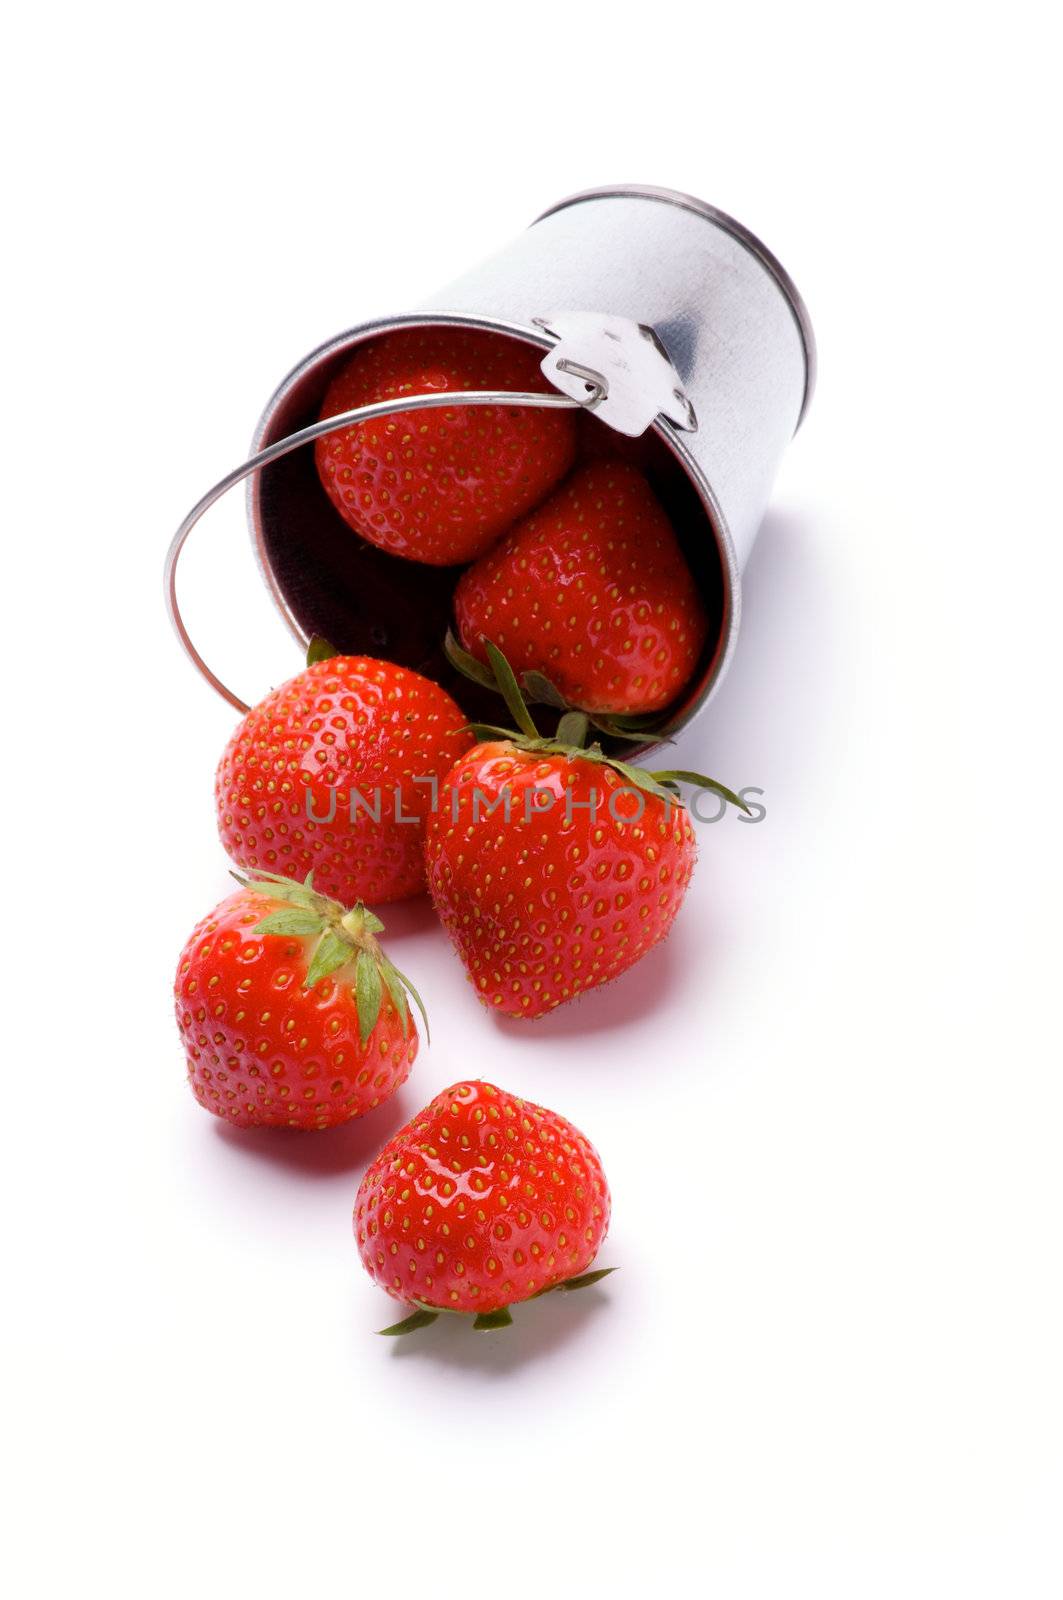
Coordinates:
(593, 590)
(481, 1201)
(441, 485)
(552, 903)
(262, 1051)
(342, 724)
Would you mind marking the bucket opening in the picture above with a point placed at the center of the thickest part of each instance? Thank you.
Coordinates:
(327, 580)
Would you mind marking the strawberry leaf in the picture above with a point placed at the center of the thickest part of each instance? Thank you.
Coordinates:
(398, 994)
(487, 1321)
(613, 731)
(331, 953)
(510, 690)
(417, 1319)
(646, 781)
(404, 980)
(466, 664)
(282, 889)
(297, 922)
(367, 993)
(573, 728)
(701, 782)
(271, 877)
(319, 649)
(537, 687)
(621, 722)
(278, 887)
(488, 730)
(585, 1279)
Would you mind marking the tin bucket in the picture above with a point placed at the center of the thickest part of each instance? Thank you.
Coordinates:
(681, 335)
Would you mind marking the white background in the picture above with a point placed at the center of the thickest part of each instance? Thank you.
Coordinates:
(829, 1107)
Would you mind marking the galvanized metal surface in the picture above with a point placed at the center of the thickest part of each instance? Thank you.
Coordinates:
(724, 310)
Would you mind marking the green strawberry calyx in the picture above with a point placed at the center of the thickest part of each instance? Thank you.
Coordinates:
(346, 938)
(537, 689)
(487, 1321)
(319, 649)
(572, 734)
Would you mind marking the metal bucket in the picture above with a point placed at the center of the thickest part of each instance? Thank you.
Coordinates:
(732, 333)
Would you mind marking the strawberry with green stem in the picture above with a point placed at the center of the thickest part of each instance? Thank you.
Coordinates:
(592, 592)
(290, 1012)
(555, 867)
(537, 689)
(481, 1201)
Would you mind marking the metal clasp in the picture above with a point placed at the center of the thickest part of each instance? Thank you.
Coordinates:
(617, 368)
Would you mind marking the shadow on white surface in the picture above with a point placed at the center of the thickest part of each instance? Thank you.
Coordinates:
(407, 919)
(539, 1328)
(323, 1153)
(777, 698)
(767, 728)
(771, 712)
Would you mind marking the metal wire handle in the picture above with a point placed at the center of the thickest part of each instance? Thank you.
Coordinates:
(597, 391)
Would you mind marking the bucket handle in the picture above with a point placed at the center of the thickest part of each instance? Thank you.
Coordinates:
(597, 391)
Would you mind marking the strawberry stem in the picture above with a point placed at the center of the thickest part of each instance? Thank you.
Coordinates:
(345, 935)
(570, 740)
(488, 1321)
(535, 687)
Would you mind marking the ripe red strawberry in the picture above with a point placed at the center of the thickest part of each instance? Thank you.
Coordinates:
(291, 1014)
(543, 907)
(334, 771)
(481, 1201)
(439, 486)
(591, 590)
(554, 868)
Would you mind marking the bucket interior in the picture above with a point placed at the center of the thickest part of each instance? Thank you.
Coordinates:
(329, 581)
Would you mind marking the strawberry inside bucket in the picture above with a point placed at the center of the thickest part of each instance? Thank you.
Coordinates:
(441, 485)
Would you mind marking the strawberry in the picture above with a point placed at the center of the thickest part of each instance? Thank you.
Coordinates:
(439, 486)
(335, 771)
(481, 1201)
(591, 590)
(291, 1014)
(553, 867)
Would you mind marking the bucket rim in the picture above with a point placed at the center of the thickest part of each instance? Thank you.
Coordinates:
(671, 437)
